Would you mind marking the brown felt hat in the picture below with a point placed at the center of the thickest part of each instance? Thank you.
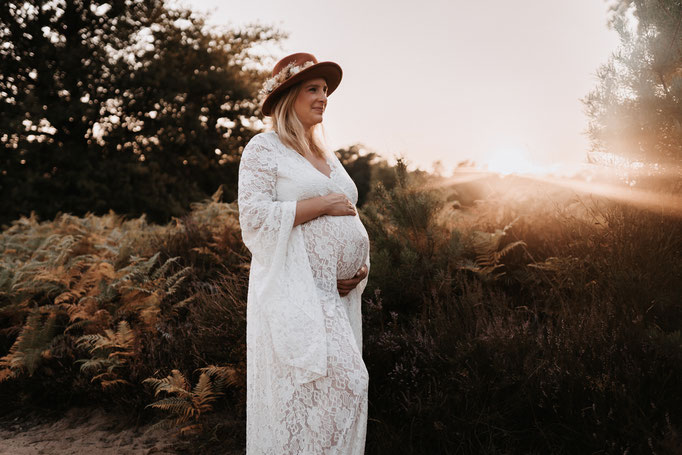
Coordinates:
(295, 68)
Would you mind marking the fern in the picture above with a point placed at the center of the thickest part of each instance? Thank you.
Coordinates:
(175, 383)
(31, 346)
(110, 352)
(488, 253)
(143, 291)
(190, 403)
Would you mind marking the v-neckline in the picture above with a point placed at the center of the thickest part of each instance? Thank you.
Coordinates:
(315, 167)
(327, 160)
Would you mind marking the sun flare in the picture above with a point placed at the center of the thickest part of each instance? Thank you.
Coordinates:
(507, 160)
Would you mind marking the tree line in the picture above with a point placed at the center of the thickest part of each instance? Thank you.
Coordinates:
(140, 108)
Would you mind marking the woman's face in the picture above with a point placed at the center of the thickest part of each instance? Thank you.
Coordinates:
(311, 102)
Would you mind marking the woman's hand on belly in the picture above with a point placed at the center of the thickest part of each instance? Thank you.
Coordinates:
(345, 286)
(333, 204)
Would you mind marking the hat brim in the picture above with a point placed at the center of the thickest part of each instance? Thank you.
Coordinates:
(329, 71)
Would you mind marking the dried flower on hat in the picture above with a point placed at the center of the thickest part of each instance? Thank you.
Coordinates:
(291, 69)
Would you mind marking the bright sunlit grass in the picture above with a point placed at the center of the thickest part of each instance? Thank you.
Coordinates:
(512, 174)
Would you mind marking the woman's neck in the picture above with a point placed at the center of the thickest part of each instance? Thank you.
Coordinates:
(309, 133)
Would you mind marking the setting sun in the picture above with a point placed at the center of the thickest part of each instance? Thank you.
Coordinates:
(512, 159)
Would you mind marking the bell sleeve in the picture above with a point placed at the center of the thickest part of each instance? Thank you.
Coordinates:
(281, 284)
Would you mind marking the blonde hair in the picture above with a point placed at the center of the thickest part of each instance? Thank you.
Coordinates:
(290, 129)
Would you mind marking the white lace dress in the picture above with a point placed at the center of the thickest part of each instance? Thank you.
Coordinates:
(306, 380)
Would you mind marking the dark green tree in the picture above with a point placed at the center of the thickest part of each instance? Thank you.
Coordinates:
(359, 168)
(636, 109)
(130, 106)
(367, 169)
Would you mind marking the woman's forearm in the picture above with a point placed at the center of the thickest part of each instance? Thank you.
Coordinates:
(309, 209)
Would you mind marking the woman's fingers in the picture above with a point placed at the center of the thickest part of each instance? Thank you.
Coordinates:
(339, 205)
(352, 282)
(345, 286)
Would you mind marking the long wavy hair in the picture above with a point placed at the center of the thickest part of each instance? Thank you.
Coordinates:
(290, 129)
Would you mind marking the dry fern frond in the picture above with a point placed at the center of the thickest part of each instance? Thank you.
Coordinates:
(175, 405)
(223, 375)
(188, 404)
(109, 350)
(32, 345)
(488, 253)
(191, 429)
(173, 383)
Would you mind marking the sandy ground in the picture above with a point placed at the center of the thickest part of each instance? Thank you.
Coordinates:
(82, 431)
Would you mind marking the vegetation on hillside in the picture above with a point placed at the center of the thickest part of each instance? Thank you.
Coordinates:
(503, 327)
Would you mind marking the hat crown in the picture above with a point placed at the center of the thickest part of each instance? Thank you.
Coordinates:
(297, 59)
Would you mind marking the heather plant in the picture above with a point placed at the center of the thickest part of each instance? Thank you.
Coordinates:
(408, 244)
(560, 354)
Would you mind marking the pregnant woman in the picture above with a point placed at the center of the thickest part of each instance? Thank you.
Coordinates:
(306, 380)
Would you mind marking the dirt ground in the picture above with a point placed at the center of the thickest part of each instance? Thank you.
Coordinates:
(82, 431)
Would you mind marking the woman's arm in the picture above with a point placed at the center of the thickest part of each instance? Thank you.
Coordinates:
(334, 204)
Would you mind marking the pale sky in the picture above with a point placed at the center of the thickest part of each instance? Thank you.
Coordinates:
(490, 80)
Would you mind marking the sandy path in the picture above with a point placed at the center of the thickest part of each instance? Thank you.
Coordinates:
(83, 431)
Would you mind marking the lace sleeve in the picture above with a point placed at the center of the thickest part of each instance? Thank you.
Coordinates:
(281, 278)
(263, 219)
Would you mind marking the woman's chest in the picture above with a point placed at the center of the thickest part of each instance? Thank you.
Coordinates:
(298, 179)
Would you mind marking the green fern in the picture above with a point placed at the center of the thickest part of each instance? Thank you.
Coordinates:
(31, 346)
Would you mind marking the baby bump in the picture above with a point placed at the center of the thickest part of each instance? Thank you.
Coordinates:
(338, 244)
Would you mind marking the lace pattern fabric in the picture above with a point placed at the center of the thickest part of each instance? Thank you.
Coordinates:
(306, 380)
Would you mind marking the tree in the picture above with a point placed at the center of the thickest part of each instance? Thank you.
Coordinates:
(636, 109)
(359, 167)
(123, 105)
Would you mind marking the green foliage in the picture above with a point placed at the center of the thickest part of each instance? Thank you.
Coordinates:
(636, 108)
(130, 106)
(31, 346)
(360, 165)
(113, 291)
(409, 243)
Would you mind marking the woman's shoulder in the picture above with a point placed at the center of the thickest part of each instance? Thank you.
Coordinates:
(266, 139)
(263, 149)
